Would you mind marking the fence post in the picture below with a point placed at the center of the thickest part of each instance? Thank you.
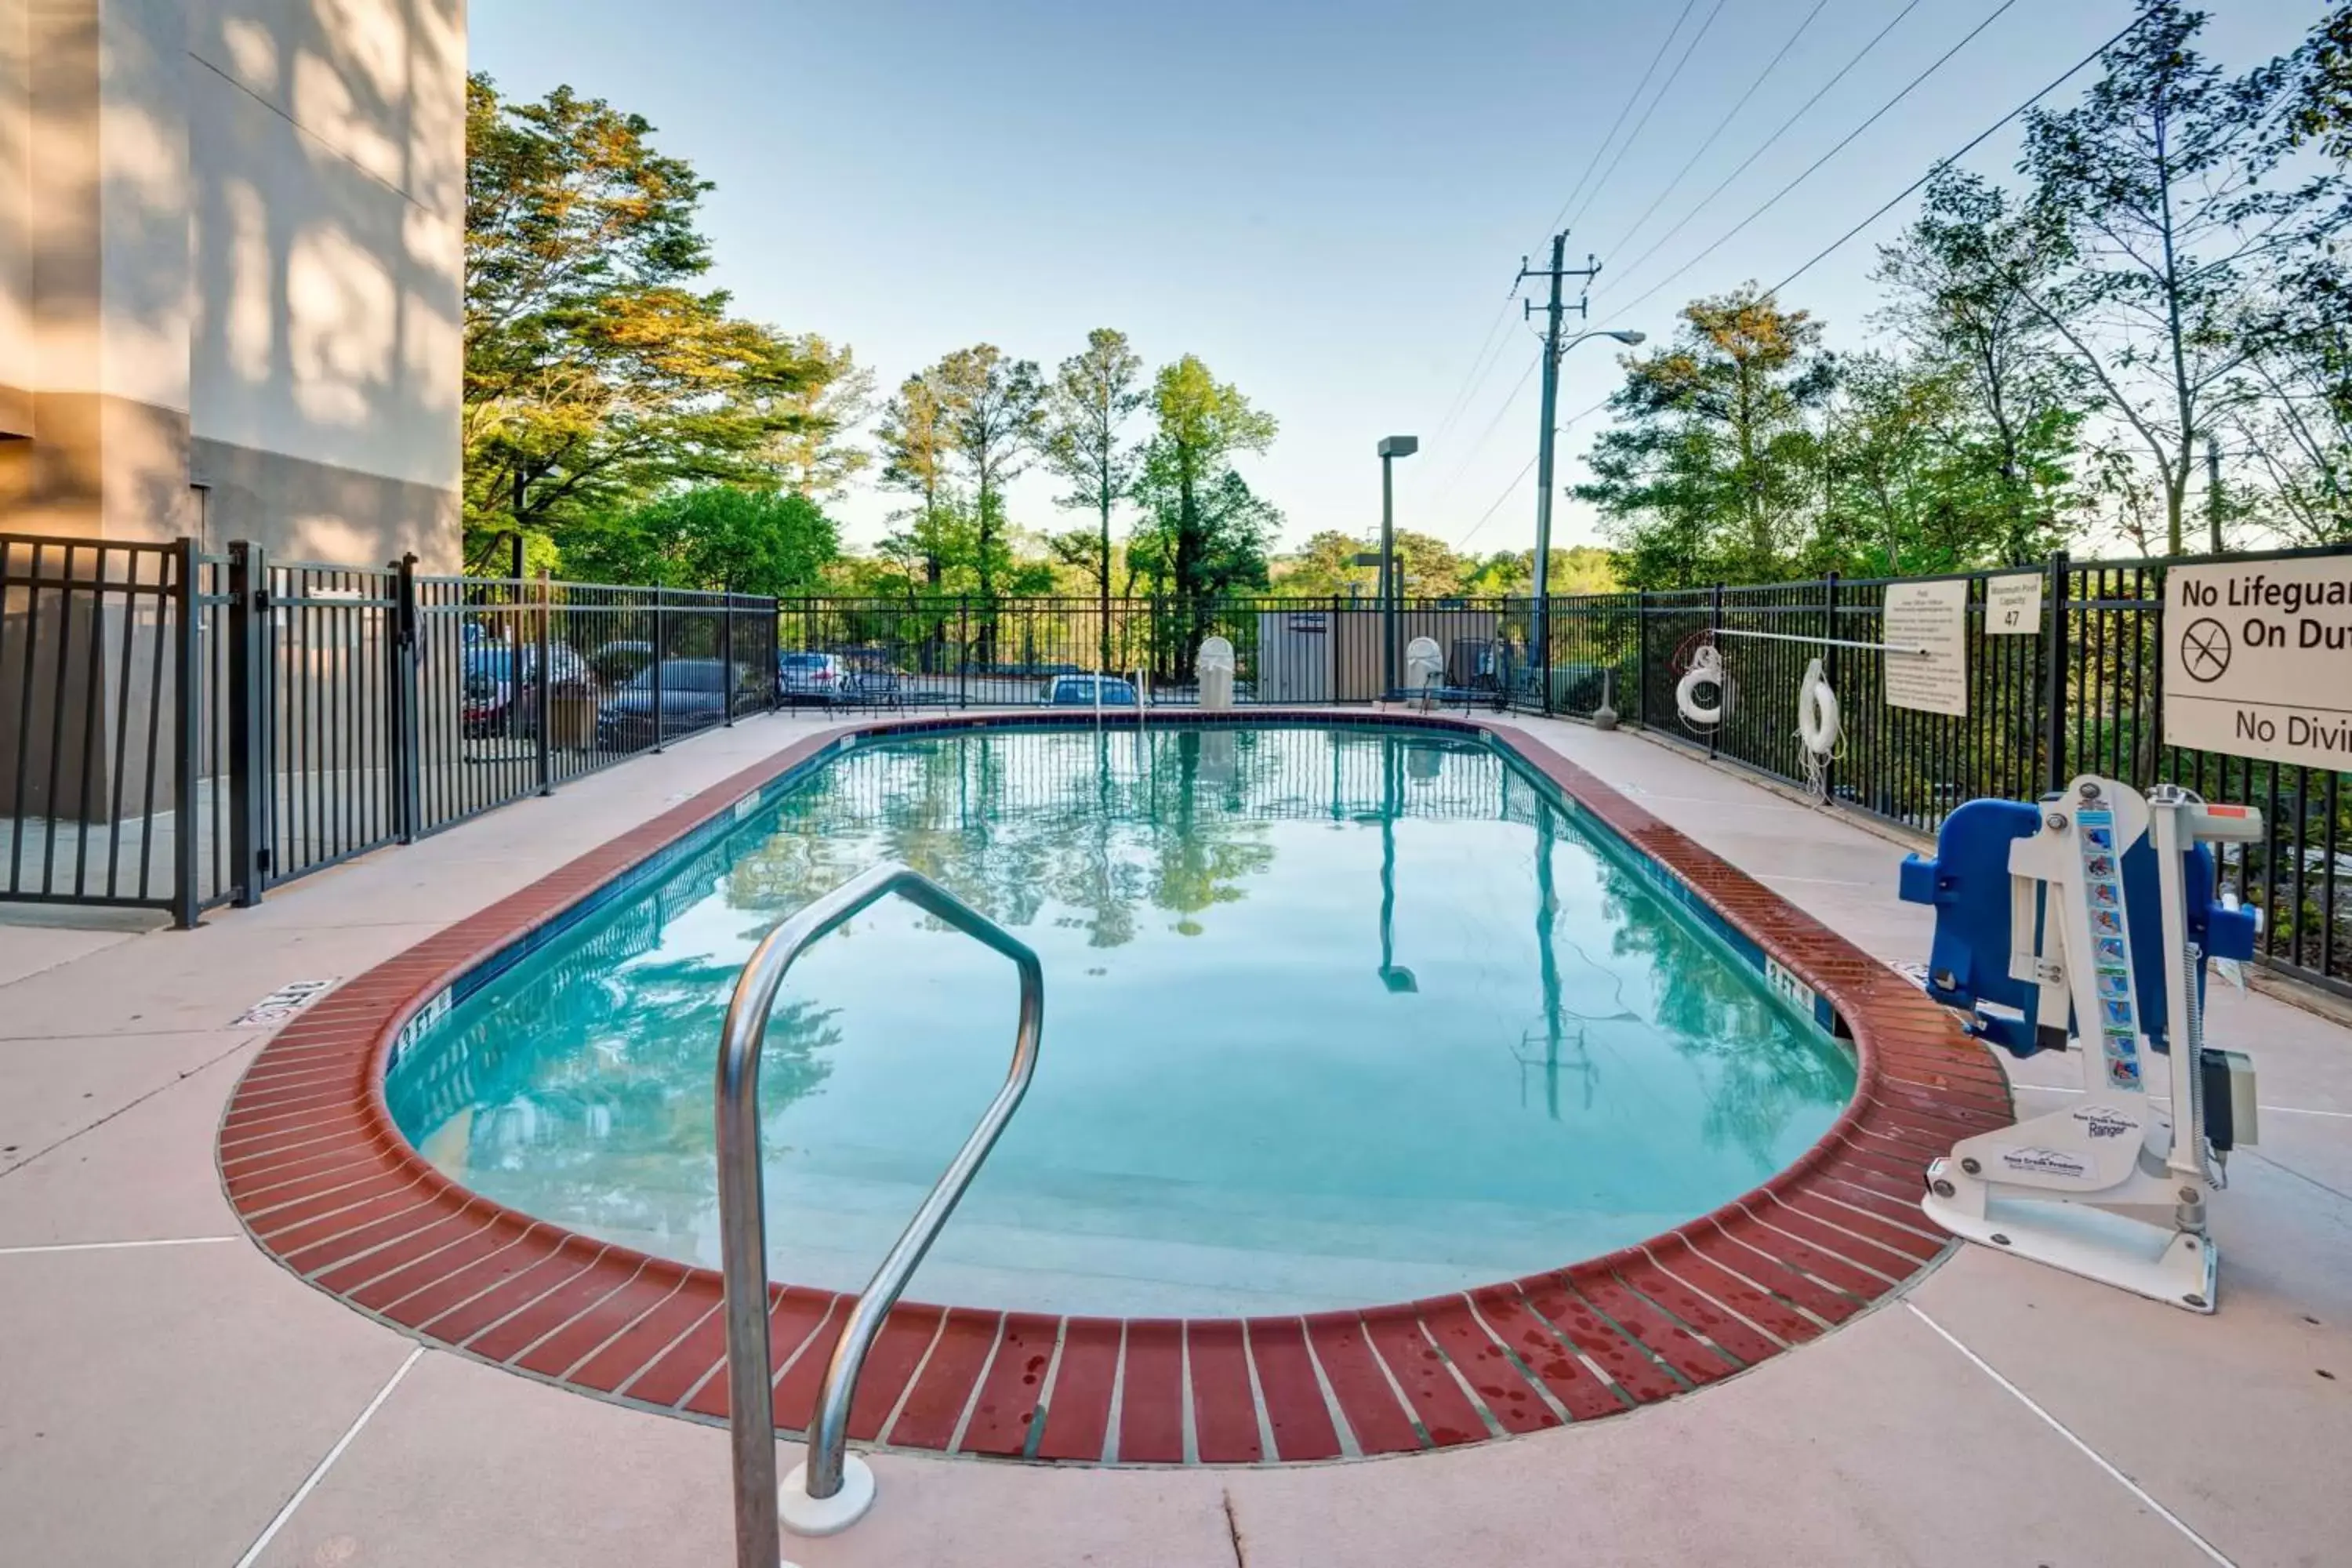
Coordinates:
(1543, 658)
(661, 630)
(1641, 657)
(963, 651)
(187, 733)
(1829, 673)
(407, 785)
(247, 626)
(543, 754)
(727, 656)
(774, 679)
(1714, 626)
(2054, 678)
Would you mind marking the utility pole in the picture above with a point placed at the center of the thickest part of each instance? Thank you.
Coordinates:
(1540, 631)
(2213, 508)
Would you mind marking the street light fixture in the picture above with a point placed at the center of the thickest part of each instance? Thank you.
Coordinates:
(1391, 448)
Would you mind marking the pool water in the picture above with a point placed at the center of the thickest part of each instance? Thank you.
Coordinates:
(1333, 1016)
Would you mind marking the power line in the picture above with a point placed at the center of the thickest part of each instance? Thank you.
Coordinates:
(1782, 130)
(1970, 145)
(1471, 452)
(1884, 208)
(1721, 125)
(1478, 363)
(1567, 423)
(1810, 169)
(1481, 364)
(1632, 98)
(1495, 505)
(1635, 135)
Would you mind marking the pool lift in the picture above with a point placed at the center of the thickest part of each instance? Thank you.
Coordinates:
(2086, 920)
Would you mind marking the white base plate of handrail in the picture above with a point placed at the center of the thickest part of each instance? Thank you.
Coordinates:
(805, 1515)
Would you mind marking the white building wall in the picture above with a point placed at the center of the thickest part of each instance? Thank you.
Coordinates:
(247, 243)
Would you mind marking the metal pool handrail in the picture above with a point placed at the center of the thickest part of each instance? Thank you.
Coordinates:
(742, 1216)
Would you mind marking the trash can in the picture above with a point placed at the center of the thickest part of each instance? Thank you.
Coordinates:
(1215, 664)
(1424, 666)
(571, 716)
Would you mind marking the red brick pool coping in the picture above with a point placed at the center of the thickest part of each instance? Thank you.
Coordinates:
(322, 1181)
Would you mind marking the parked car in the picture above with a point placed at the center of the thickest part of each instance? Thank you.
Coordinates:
(1080, 691)
(693, 693)
(809, 677)
(616, 663)
(489, 690)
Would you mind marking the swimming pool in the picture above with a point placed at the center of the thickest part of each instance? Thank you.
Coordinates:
(1334, 1014)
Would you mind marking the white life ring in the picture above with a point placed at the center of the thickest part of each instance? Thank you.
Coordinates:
(1817, 711)
(1707, 669)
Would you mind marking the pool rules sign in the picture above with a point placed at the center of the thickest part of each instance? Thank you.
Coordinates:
(2258, 661)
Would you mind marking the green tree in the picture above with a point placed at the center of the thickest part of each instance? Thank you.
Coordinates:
(594, 373)
(1092, 397)
(2164, 181)
(813, 454)
(1232, 527)
(1958, 274)
(1325, 568)
(774, 543)
(992, 414)
(1209, 526)
(2319, 109)
(1575, 569)
(1709, 469)
(915, 446)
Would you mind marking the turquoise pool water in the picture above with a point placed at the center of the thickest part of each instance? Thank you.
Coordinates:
(1334, 1017)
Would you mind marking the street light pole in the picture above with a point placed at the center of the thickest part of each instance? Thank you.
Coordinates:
(1391, 448)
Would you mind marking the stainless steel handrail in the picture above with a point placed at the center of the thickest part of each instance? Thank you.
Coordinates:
(742, 1211)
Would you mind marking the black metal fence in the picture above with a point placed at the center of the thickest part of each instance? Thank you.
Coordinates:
(180, 731)
(951, 652)
(2078, 690)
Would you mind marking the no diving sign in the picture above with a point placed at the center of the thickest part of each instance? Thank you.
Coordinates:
(2258, 661)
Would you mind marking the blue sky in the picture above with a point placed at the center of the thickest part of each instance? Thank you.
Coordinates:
(1325, 202)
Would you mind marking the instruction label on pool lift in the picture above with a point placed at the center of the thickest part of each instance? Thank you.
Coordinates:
(2103, 890)
(2258, 661)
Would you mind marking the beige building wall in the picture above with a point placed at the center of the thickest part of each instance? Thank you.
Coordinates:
(15, 222)
(232, 286)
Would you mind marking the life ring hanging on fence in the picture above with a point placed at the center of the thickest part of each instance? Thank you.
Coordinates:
(1817, 711)
(1706, 670)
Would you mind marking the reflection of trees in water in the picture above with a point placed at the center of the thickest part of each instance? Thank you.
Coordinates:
(1090, 828)
(592, 1073)
(1763, 1069)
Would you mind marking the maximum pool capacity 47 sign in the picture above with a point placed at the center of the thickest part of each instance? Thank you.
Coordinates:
(2258, 659)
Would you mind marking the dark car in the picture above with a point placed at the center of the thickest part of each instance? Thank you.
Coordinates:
(1088, 690)
(693, 696)
(616, 663)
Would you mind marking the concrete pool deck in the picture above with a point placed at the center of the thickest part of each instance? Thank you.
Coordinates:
(168, 1394)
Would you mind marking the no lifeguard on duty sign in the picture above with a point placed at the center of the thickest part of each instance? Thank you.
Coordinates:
(2258, 661)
